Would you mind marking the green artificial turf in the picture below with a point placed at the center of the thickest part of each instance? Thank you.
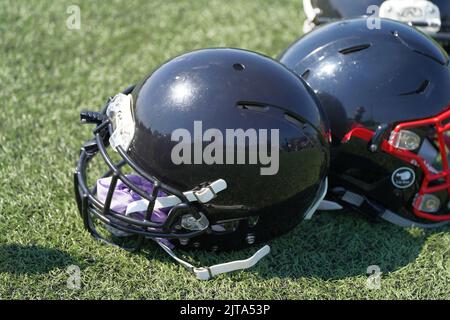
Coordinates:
(49, 72)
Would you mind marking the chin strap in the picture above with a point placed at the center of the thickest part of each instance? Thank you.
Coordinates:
(407, 223)
(207, 273)
(203, 195)
(326, 205)
(387, 215)
(320, 203)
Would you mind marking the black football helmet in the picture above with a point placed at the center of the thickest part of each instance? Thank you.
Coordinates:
(194, 140)
(430, 16)
(386, 94)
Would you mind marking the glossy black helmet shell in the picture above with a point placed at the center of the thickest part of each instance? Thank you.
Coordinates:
(223, 88)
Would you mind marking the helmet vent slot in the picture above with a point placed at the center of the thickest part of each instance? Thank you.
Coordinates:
(238, 67)
(252, 106)
(356, 48)
(294, 120)
(305, 74)
(421, 89)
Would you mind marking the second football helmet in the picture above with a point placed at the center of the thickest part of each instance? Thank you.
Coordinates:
(386, 94)
(432, 17)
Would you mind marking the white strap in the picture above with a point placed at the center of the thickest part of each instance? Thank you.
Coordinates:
(203, 195)
(206, 273)
(323, 192)
(406, 223)
(309, 10)
(327, 205)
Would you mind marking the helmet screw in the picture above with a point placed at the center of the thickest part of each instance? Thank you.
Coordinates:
(196, 244)
(373, 147)
(184, 241)
(252, 221)
(250, 238)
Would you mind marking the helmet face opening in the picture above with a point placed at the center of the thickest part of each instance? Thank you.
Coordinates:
(101, 204)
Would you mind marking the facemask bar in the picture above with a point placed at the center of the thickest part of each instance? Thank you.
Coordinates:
(89, 204)
(430, 175)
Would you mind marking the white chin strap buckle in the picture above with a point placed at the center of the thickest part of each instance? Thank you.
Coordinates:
(207, 273)
(202, 195)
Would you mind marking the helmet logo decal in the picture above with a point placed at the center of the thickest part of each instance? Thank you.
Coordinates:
(403, 178)
(233, 142)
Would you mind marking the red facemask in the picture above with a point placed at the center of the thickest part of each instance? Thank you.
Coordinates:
(408, 146)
